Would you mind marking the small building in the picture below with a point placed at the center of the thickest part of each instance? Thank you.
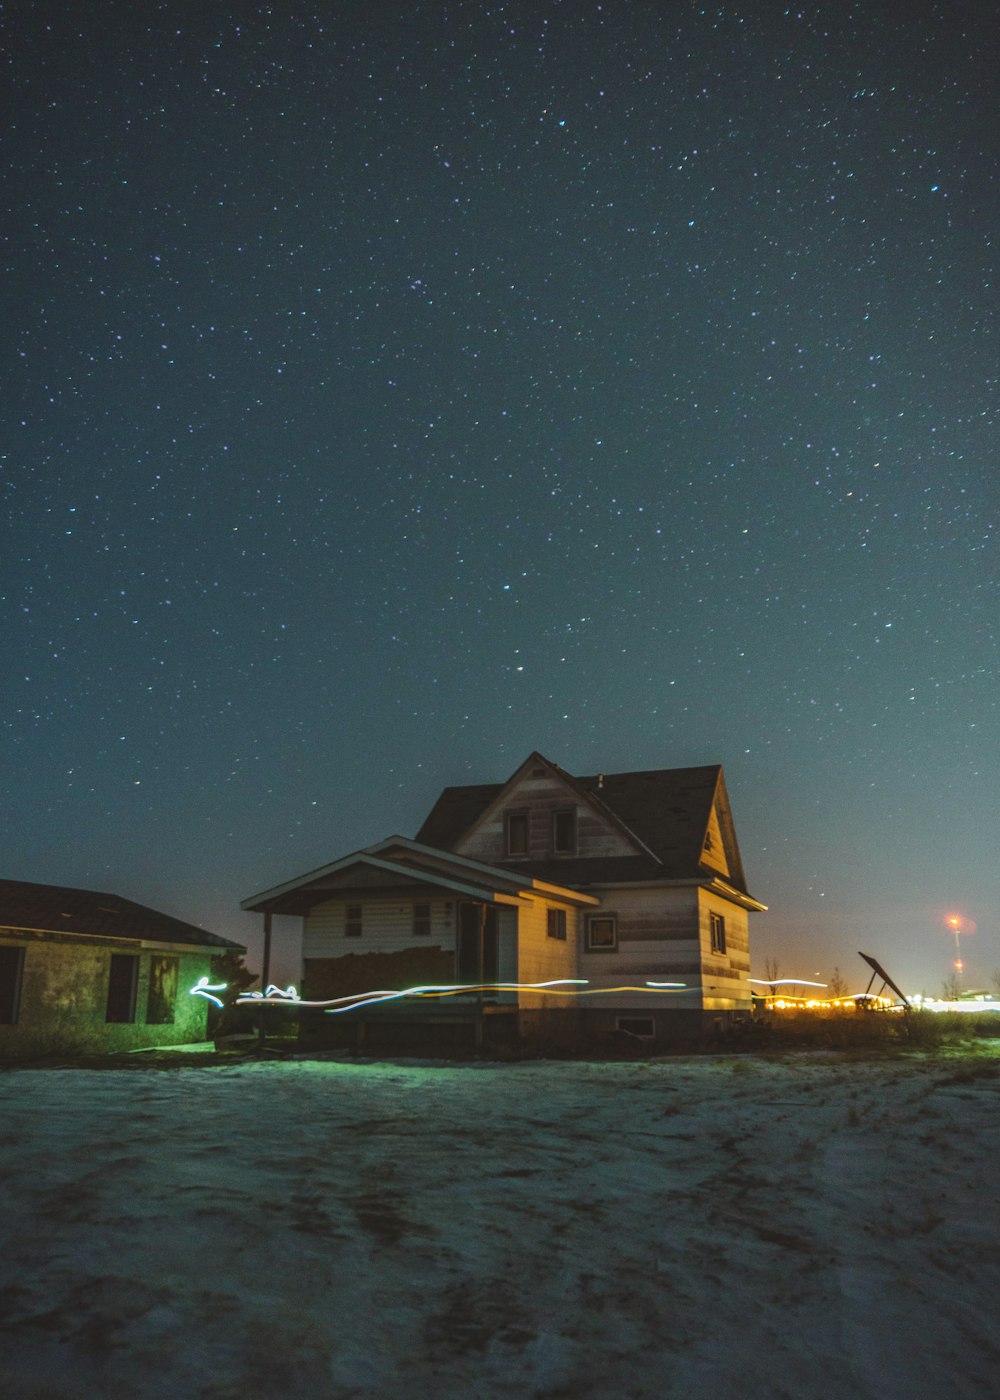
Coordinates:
(630, 884)
(82, 971)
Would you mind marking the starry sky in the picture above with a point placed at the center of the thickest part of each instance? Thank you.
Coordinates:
(394, 389)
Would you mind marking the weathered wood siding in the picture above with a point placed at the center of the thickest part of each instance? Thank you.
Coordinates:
(387, 956)
(541, 958)
(658, 940)
(540, 798)
(387, 926)
(714, 851)
(725, 976)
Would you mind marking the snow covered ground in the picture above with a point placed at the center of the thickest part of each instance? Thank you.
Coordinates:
(804, 1226)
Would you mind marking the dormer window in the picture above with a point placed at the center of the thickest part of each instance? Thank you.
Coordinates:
(564, 831)
(515, 829)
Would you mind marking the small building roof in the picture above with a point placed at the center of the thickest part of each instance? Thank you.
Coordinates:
(59, 909)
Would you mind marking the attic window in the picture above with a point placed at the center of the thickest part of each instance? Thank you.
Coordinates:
(707, 843)
(515, 826)
(564, 831)
(538, 772)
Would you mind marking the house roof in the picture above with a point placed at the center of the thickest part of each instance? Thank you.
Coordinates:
(58, 909)
(667, 809)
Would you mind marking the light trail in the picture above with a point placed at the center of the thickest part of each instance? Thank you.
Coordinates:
(204, 988)
(334, 1006)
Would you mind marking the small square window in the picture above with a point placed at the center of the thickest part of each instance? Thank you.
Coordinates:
(564, 831)
(557, 924)
(602, 933)
(516, 833)
(421, 920)
(717, 927)
(352, 921)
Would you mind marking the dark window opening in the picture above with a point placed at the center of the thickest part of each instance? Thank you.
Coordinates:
(162, 999)
(421, 920)
(123, 979)
(557, 924)
(718, 932)
(352, 921)
(564, 831)
(516, 833)
(11, 970)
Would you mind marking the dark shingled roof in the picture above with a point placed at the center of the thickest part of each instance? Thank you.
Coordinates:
(667, 809)
(56, 909)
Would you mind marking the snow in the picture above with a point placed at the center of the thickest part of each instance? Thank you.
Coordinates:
(800, 1226)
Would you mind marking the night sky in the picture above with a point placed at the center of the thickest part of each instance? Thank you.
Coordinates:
(392, 390)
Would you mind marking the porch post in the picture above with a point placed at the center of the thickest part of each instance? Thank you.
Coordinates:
(265, 976)
(482, 953)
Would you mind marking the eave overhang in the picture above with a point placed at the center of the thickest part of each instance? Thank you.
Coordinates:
(719, 887)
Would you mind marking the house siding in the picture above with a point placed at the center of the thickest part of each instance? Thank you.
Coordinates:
(541, 958)
(387, 956)
(725, 976)
(656, 942)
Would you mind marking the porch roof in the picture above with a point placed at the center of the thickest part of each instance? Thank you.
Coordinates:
(398, 863)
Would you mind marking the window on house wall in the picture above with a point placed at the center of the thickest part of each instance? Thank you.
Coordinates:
(11, 971)
(717, 928)
(123, 979)
(515, 828)
(161, 1001)
(602, 933)
(352, 921)
(564, 831)
(421, 920)
(707, 843)
(557, 924)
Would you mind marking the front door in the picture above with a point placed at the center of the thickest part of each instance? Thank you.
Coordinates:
(478, 944)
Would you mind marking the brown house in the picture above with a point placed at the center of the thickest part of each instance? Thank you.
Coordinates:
(84, 971)
(620, 880)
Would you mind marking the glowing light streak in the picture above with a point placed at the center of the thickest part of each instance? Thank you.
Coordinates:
(204, 988)
(785, 982)
(272, 994)
(562, 986)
